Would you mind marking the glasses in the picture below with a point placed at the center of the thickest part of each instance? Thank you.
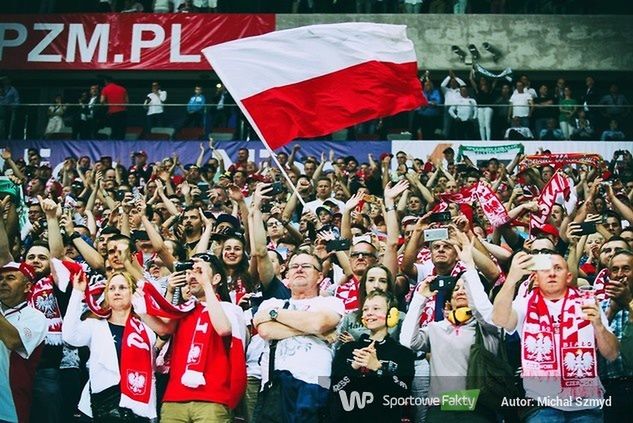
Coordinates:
(357, 254)
(304, 266)
(542, 251)
(273, 223)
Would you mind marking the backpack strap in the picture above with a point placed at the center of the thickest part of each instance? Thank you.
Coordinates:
(272, 351)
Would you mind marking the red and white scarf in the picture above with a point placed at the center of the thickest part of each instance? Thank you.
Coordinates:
(565, 350)
(428, 312)
(193, 377)
(42, 298)
(599, 283)
(487, 199)
(559, 185)
(559, 160)
(136, 357)
(348, 292)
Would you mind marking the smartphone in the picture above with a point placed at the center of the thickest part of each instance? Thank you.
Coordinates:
(266, 207)
(443, 283)
(204, 189)
(119, 195)
(338, 245)
(541, 262)
(277, 188)
(438, 234)
(441, 217)
(370, 198)
(587, 228)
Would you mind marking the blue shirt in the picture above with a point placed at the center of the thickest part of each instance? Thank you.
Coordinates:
(614, 369)
(196, 103)
(432, 96)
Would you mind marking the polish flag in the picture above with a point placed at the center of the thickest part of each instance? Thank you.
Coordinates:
(314, 80)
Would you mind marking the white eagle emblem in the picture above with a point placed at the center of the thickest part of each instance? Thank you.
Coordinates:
(539, 347)
(194, 354)
(136, 382)
(579, 364)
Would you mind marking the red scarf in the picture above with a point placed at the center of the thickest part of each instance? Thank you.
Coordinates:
(42, 298)
(540, 352)
(487, 199)
(136, 356)
(348, 292)
(559, 160)
(599, 284)
(193, 377)
(558, 185)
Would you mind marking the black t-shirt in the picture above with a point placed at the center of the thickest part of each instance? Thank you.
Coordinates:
(117, 337)
(544, 112)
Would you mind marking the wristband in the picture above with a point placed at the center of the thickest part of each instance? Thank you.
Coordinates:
(74, 235)
(390, 208)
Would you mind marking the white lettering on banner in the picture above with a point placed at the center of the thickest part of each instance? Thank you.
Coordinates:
(11, 42)
(138, 43)
(77, 36)
(174, 51)
(35, 54)
(355, 400)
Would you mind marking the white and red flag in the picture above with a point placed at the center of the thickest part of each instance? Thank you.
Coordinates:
(314, 80)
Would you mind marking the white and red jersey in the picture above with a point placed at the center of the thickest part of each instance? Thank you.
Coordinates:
(17, 368)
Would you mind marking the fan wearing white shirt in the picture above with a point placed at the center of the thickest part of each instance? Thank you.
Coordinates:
(521, 102)
(154, 106)
(464, 112)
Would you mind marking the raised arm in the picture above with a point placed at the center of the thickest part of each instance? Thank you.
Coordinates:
(390, 259)
(503, 315)
(51, 210)
(258, 247)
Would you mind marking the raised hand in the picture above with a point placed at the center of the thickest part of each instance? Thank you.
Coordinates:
(392, 191)
(353, 202)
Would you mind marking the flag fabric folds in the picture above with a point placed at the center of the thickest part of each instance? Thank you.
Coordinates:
(314, 80)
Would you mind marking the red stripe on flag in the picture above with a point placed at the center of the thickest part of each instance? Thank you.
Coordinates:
(331, 102)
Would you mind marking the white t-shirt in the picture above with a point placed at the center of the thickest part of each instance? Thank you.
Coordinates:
(156, 102)
(550, 388)
(32, 327)
(306, 357)
(520, 103)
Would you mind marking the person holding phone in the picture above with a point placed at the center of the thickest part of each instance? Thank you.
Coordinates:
(449, 340)
(562, 336)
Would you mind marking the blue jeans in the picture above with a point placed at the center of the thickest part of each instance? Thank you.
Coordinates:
(47, 397)
(301, 402)
(553, 415)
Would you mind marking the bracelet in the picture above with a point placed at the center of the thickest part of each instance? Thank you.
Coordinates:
(74, 235)
(390, 208)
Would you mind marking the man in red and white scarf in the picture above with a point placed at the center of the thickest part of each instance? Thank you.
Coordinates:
(208, 370)
(362, 256)
(561, 334)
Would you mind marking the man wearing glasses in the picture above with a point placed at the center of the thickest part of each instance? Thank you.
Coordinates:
(297, 329)
(362, 256)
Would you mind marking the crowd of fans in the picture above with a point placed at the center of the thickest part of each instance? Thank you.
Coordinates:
(484, 108)
(319, 6)
(213, 292)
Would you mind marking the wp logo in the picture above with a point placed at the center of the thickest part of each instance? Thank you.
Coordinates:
(355, 400)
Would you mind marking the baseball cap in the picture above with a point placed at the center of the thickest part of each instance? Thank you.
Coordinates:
(549, 230)
(320, 208)
(140, 153)
(26, 269)
(228, 218)
(409, 219)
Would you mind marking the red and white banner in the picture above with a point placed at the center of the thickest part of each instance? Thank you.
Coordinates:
(314, 80)
(122, 41)
(559, 185)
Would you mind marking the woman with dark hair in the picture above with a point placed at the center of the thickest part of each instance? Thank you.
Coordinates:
(240, 282)
(376, 278)
(121, 383)
(376, 364)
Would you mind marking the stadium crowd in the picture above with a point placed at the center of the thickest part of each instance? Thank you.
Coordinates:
(381, 289)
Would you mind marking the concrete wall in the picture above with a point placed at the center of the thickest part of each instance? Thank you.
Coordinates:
(527, 42)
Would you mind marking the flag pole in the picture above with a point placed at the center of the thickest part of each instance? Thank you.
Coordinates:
(270, 150)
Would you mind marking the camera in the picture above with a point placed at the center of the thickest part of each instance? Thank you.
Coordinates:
(443, 283)
(441, 217)
(182, 266)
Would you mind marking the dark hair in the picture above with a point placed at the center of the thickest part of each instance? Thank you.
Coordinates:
(388, 296)
(362, 290)
(241, 270)
(37, 243)
(218, 269)
(611, 213)
(179, 253)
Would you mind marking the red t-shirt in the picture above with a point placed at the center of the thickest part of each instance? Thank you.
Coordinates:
(217, 369)
(114, 94)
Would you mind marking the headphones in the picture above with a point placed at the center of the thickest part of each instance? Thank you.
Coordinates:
(393, 315)
(460, 315)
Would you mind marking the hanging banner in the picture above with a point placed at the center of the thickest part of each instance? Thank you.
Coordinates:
(490, 150)
(559, 160)
(559, 185)
(122, 41)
